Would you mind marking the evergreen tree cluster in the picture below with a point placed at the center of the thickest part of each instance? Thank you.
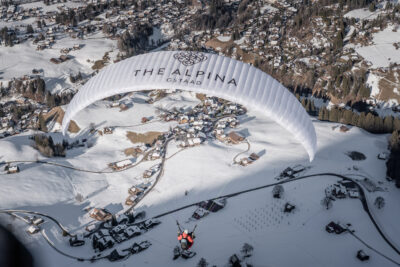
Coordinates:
(47, 147)
(218, 15)
(36, 90)
(135, 42)
(8, 36)
(367, 121)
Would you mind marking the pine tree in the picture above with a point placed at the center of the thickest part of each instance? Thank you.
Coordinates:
(277, 191)
(347, 116)
(29, 29)
(202, 263)
(388, 124)
(313, 110)
(321, 113)
(333, 115)
(396, 124)
(354, 119)
(247, 250)
(326, 115)
(235, 35)
(42, 124)
(369, 122)
(361, 120)
(326, 202)
(304, 102)
(394, 143)
(378, 125)
(372, 7)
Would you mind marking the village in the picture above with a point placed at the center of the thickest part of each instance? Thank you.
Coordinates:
(261, 41)
(318, 55)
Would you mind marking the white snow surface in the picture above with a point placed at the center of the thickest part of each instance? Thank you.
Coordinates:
(17, 61)
(382, 53)
(206, 171)
(223, 38)
(363, 14)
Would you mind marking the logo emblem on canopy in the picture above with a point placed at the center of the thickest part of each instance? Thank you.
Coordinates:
(189, 58)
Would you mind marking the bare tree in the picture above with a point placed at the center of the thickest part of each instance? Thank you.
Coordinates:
(326, 202)
(202, 263)
(277, 191)
(247, 250)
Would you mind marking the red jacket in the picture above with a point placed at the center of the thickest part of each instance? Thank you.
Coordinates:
(185, 236)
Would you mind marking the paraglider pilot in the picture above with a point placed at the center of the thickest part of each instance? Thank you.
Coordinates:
(185, 238)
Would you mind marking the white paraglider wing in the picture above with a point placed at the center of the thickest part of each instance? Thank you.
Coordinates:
(202, 73)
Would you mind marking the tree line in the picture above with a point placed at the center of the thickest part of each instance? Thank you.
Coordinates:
(368, 121)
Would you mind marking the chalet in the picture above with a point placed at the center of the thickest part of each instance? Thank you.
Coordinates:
(213, 205)
(64, 58)
(32, 229)
(353, 193)
(199, 213)
(114, 104)
(235, 138)
(190, 142)
(383, 156)
(148, 173)
(103, 243)
(339, 191)
(123, 164)
(183, 119)
(336, 228)
(132, 231)
(135, 190)
(55, 60)
(107, 130)
(131, 200)
(12, 169)
(155, 155)
(245, 161)
(37, 221)
(254, 156)
(42, 47)
(100, 214)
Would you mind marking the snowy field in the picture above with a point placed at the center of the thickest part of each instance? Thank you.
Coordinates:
(363, 14)
(206, 171)
(18, 60)
(382, 53)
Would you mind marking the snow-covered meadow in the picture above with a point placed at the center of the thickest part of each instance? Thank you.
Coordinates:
(207, 171)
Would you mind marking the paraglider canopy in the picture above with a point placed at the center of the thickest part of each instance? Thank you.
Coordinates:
(206, 73)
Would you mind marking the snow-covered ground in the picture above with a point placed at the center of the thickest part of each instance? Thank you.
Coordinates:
(224, 38)
(382, 53)
(363, 14)
(20, 59)
(206, 171)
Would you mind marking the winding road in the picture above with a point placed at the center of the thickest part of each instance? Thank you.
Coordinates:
(335, 175)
